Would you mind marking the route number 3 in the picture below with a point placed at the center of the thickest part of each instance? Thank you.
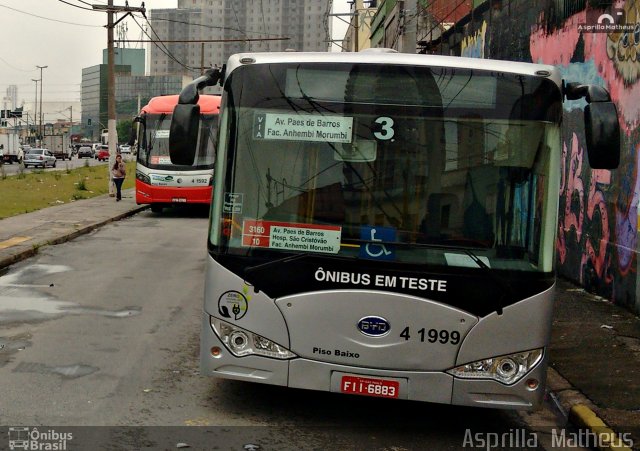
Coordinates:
(386, 131)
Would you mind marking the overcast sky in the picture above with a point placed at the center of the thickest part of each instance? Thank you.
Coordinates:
(65, 38)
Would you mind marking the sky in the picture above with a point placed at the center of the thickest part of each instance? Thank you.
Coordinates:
(66, 36)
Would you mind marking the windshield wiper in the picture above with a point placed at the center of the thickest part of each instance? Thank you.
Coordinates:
(505, 286)
(503, 283)
(248, 270)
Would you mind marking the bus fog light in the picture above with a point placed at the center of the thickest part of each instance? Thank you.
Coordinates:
(241, 342)
(507, 369)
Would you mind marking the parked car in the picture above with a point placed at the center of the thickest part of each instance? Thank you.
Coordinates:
(39, 157)
(103, 154)
(125, 148)
(85, 151)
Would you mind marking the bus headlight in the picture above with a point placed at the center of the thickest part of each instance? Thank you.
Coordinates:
(241, 342)
(507, 369)
(143, 178)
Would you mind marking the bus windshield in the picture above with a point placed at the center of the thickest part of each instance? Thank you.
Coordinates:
(401, 163)
(154, 138)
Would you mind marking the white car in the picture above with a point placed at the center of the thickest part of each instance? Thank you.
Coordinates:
(39, 157)
(125, 148)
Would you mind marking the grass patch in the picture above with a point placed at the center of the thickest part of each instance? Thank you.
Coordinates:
(82, 185)
(31, 191)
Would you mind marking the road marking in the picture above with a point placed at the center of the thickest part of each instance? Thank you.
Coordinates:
(13, 241)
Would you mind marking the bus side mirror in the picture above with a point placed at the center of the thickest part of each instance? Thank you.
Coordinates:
(132, 134)
(134, 129)
(602, 131)
(183, 134)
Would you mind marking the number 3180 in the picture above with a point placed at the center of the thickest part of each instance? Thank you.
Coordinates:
(433, 335)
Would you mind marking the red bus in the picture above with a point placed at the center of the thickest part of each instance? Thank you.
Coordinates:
(160, 182)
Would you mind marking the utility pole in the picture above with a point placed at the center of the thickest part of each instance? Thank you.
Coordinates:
(41, 115)
(111, 78)
(35, 107)
(69, 144)
(202, 58)
(356, 27)
(409, 26)
(111, 98)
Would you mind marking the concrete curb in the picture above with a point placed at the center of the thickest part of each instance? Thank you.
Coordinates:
(33, 250)
(583, 416)
(579, 411)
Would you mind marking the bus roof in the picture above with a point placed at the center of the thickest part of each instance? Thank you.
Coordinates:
(387, 56)
(209, 104)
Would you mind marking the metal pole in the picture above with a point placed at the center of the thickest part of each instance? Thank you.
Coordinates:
(35, 107)
(41, 115)
(202, 58)
(70, 143)
(356, 28)
(111, 97)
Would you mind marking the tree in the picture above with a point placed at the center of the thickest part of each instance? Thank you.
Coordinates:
(124, 128)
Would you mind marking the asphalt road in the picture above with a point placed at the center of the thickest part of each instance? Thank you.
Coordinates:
(103, 331)
(61, 165)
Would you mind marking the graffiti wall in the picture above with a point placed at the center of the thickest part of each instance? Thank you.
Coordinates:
(597, 243)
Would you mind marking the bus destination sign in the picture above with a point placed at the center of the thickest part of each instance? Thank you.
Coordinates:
(291, 236)
(303, 127)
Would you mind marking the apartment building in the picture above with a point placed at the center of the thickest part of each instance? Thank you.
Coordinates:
(251, 25)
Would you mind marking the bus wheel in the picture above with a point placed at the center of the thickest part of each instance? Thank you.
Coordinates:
(156, 208)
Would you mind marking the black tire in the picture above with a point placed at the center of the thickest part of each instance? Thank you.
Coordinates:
(156, 209)
(54, 163)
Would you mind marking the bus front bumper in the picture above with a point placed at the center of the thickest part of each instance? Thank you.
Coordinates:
(149, 194)
(428, 386)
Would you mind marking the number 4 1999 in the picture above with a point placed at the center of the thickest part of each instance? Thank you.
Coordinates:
(433, 335)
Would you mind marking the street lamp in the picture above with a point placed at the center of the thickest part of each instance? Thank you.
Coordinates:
(41, 67)
(35, 107)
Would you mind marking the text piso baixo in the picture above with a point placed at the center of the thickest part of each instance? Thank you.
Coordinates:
(380, 280)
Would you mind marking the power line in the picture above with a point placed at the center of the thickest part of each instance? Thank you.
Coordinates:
(233, 8)
(173, 41)
(16, 68)
(166, 52)
(75, 6)
(47, 18)
(213, 27)
(264, 24)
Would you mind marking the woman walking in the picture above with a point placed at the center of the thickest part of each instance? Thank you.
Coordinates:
(118, 171)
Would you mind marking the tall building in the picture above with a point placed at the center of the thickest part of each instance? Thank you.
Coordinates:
(12, 97)
(94, 97)
(131, 57)
(253, 25)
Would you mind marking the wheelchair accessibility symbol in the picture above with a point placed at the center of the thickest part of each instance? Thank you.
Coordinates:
(377, 235)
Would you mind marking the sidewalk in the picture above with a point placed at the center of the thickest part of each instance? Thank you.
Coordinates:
(595, 345)
(22, 235)
(595, 361)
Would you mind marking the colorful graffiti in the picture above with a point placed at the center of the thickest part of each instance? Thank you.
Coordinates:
(623, 47)
(473, 46)
(598, 224)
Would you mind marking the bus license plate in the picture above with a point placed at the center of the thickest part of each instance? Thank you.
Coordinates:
(179, 200)
(368, 386)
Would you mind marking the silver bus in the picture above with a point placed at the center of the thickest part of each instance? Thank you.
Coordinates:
(384, 224)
